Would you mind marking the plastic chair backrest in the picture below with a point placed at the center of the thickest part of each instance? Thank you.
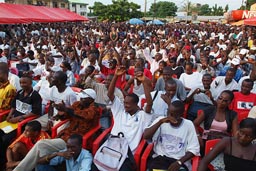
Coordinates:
(210, 144)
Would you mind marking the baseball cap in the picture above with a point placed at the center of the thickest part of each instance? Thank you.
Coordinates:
(243, 51)
(44, 47)
(87, 93)
(235, 61)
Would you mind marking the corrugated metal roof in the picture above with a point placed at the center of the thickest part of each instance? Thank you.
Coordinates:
(77, 1)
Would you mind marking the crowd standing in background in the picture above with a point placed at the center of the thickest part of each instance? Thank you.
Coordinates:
(209, 68)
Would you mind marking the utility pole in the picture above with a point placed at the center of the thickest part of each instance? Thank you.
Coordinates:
(145, 10)
(154, 10)
(187, 11)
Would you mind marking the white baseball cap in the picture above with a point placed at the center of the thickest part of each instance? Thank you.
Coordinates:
(235, 61)
(87, 93)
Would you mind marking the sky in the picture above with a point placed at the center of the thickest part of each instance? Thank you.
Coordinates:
(233, 4)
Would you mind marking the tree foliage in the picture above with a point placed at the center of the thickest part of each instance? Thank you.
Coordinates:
(163, 9)
(204, 9)
(119, 10)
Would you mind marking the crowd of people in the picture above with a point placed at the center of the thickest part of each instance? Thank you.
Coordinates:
(177, 85)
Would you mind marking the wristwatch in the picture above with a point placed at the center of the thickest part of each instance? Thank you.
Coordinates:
(179, 162)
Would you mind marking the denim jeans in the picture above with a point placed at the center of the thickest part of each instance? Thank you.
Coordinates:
(44, 167)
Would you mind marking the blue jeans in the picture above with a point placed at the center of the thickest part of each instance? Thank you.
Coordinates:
(44, 167)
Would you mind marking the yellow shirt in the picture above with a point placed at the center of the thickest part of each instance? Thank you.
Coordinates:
(7, 94)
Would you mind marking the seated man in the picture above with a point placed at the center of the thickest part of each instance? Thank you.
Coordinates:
(162, 99)
(59, 93)
(20, 147)
(75, 157)
(83, 116)
(175, 140)
(201, 97)
(128, 118)
(7, 91)
(167, 74)
(244, 100)
(222, 83)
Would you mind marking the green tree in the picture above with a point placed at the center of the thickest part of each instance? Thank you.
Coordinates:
(249, 3)
(119, 10)
(163, 9)
(205, 10)
(217, 11)
(226, 8)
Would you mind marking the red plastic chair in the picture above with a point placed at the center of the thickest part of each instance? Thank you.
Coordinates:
(89, 137)
(99, 140)
(209, 145)
(24, 122)
(20, 124)
(3, 113)
(55, 127)
(145, 155)
(148, 151)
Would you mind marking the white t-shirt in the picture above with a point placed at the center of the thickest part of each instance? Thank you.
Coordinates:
(68, 97)
(218, 85)
(43, 88)
(192, 80)
(174, 142)
(159, 107)
(3, 59)
(15, 81)
(131, 125)
(31, 67)
(200, 97)
(41, 70)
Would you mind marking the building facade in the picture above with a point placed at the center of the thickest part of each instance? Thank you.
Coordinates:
(77, 6)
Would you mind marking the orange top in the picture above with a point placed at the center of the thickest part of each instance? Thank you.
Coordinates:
(27, 141)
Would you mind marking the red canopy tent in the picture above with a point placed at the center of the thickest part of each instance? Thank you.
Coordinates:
(250, 21)
(15, 13)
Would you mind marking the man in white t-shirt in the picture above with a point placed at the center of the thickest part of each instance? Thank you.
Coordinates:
(162, 99)
(59, 93)
(222, 83)
(128, 118)
(175, 140)
(30, 60)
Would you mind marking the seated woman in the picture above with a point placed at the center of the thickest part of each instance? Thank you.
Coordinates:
(239, 151)
(26, 103)
(219, 121)
(20, 147)
(66, 67)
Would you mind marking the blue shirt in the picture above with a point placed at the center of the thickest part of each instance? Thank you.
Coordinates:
(238, 75)
(82, 163)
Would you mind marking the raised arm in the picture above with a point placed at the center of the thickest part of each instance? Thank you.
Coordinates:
(147, 89)
(119, 71)
(127, 86)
